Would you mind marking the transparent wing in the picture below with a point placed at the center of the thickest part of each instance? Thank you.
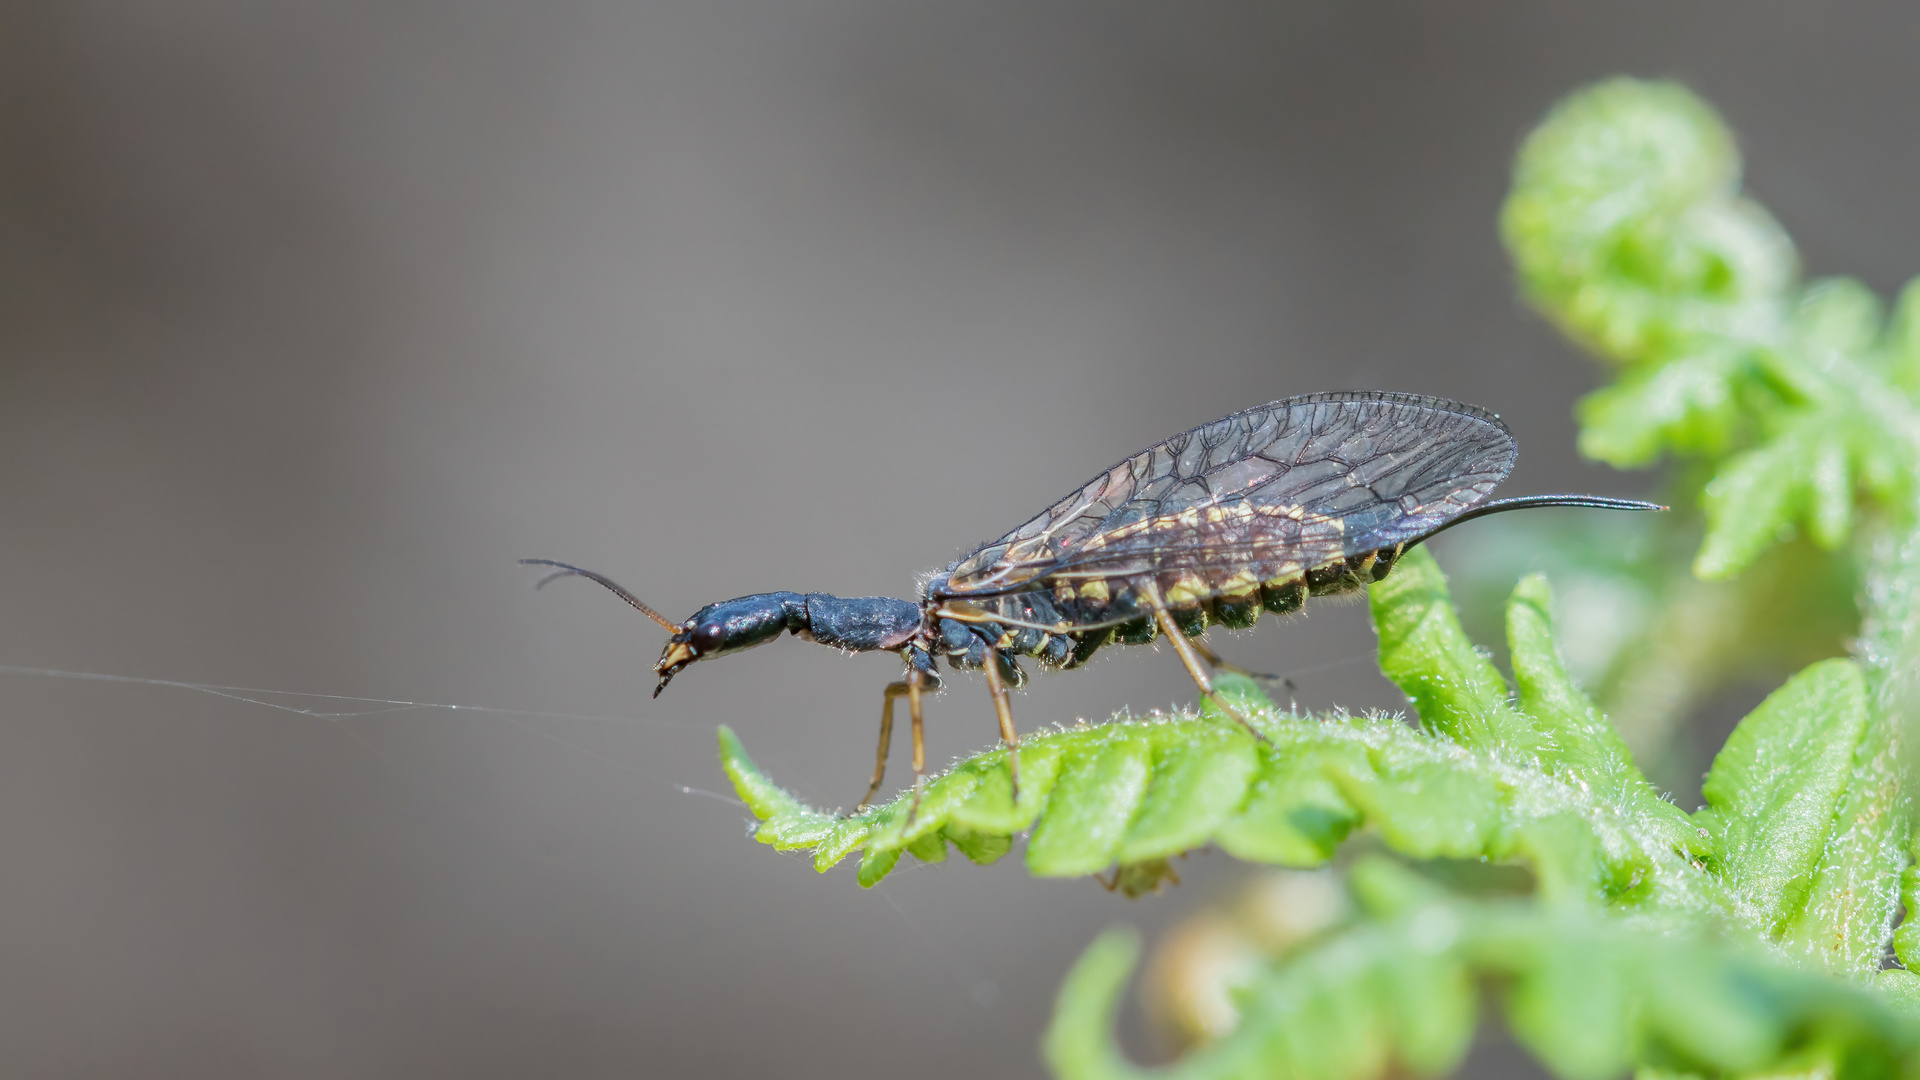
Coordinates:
(1302, 480)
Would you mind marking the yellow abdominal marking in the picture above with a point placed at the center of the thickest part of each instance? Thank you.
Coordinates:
(1285, 572)
(1239, 584)
(1187, 590)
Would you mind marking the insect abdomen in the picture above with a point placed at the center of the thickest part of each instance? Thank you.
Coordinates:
(1196, 599)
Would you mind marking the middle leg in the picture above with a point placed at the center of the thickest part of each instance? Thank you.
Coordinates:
(1191, 658)
(1004, 710)
(919, 741)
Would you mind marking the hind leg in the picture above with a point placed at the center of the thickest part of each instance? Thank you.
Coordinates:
(1215, 662)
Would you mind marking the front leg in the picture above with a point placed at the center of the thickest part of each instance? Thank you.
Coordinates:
(1004, 709)
(893, 690)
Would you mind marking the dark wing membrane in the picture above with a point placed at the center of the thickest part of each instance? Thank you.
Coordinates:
(1294, 482)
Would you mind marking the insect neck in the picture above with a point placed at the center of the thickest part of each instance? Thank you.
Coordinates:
(860, 623)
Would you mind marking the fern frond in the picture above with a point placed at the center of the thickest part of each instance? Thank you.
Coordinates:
(1545, 782)
(1775, 787)
(1591, 995)
(1629, 231)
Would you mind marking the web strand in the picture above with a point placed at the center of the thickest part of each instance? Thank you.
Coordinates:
(363, 706)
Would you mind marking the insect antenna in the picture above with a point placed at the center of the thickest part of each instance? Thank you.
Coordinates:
(1529, 502)
(564, 570)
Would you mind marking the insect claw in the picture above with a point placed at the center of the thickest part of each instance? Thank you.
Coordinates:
(1233, 710)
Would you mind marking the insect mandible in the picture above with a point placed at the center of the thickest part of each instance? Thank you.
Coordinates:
(1257, 511)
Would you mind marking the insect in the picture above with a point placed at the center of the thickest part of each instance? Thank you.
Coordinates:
(1257, 511)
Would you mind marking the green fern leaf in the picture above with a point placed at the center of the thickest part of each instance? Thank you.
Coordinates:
(1453, 687)
(1690, 405)
(1902, 343)
(1581, 739)
(1775, 788)
(1839, 317)
(1134, 791)
(1628, 229)
(1590, 995)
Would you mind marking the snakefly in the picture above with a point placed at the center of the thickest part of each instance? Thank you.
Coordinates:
(1256, 511)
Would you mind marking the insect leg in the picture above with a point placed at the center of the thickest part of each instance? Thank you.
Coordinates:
(894, 690)
(1183, 646)
(1004, 709)
(919, 741)
(1215, 661)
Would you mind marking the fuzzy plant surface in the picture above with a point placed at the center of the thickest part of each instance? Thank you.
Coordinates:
(1757, 936)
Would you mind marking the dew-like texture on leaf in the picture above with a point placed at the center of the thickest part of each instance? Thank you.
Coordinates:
(1133, 791)
(1575, 737)
(1274, 489)
(1850, 909)
(1573, 733)
(1776, 785)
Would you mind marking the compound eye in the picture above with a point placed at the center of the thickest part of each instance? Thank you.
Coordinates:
(709, 638)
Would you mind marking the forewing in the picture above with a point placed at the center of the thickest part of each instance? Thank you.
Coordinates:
(1304, 480)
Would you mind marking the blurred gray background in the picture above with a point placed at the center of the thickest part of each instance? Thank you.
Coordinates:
(316, 316)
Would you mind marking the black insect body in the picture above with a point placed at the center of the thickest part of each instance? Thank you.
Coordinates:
(1253, 512)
